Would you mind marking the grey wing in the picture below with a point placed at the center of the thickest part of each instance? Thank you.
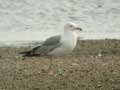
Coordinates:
(49, 45)
(52, 40)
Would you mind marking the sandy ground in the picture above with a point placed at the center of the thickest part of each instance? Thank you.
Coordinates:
(94, 65)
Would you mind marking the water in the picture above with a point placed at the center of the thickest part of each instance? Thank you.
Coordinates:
(22, 19)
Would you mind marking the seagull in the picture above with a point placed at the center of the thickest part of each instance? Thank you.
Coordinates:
(57, 45)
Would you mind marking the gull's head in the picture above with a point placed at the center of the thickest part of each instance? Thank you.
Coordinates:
(71, 27)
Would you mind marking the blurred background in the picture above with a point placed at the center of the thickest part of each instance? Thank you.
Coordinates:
(34, 19)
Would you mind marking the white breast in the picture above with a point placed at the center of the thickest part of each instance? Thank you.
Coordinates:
(69, 40)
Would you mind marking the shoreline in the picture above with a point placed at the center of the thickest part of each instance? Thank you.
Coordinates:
(29, 36)
(34, 43)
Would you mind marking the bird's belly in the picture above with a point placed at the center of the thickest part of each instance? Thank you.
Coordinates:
(60, 51)
(69, 45)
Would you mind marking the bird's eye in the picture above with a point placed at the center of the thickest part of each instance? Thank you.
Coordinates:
(71, 25)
